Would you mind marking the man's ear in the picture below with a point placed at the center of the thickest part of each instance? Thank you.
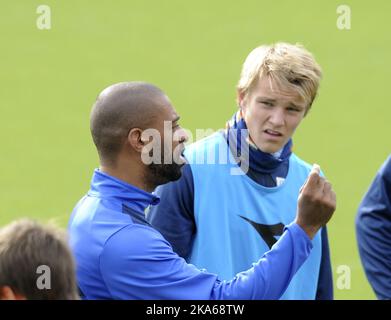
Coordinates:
(135, 139)
(6, 293)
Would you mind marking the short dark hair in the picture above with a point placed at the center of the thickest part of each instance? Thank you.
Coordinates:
(25, 245)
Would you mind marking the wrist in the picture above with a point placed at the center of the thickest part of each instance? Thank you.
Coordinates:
(308, 229)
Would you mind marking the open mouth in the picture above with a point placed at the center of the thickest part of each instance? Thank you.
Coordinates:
(273, 133)
(181, 157)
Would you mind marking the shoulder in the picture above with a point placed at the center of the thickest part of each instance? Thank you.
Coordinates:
(133, 252)
(133, 241)
(300, 163)
(385, 170)
(96, 219)
(210, 142)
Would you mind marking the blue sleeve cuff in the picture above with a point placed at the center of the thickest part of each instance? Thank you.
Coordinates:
(299, 233)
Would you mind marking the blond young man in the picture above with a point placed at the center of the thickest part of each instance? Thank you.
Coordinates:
(221, 220)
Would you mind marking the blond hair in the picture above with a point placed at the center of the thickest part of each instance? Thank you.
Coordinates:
(289, 66)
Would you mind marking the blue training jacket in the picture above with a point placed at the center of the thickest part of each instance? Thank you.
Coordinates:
(179, 219)
(120, 256)
(373, 229)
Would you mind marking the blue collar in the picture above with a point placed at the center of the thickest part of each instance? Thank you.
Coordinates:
(257, 160)
(106, 186)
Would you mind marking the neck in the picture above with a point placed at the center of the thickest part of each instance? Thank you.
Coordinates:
(130, 173)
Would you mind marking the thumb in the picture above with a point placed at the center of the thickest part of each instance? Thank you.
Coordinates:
(315, 169)
(312, 178)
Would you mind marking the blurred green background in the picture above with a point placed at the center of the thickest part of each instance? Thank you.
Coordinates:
(193, 50)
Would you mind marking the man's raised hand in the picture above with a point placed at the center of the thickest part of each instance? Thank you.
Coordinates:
(316, 203)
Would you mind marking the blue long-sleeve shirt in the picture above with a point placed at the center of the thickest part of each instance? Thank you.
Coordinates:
(174, 218)
(120, 256)
(373, 230)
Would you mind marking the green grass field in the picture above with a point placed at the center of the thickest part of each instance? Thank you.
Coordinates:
(193, 50)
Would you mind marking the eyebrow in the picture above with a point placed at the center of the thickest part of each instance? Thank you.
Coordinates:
(266, 98)
(176, 119)
(274, 100)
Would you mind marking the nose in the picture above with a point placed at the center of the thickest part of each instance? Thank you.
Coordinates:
(277, 117)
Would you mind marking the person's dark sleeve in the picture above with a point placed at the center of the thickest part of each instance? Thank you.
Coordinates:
(138, 263)
(173, 217)
(325, 280)
(373, 230)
